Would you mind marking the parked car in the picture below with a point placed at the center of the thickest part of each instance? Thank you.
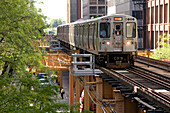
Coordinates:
(41, 75)
(43, 82)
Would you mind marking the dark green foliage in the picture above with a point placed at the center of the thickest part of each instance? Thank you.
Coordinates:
(56, 22)
(20, 91)
(163, 51)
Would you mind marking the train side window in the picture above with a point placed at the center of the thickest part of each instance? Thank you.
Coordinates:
(105, 30)
(131, 30)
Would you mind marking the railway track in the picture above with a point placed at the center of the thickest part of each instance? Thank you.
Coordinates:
(146, 83)
(154, 63)
(155, 78)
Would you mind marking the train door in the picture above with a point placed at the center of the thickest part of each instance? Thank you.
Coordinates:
(118, 36)
(75, 34)
(67, 34)
(78, 35)
(93, 36)
(91, 31)
(95, 44)
(88, 36)
(83, 36)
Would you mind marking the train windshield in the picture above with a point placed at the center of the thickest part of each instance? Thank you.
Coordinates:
(131, 30)
(105, 30)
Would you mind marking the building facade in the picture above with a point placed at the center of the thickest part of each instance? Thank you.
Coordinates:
(158, 21)
(133, 8)
(73, 10)
(94, 8)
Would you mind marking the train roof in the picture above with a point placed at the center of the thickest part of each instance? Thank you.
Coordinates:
(95, 19)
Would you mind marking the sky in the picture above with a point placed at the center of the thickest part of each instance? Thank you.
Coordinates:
(53, 9)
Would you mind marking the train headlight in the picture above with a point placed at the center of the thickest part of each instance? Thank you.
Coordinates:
(108, 43)
(128, 43)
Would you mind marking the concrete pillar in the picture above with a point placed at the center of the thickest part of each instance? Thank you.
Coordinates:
(60, 78)
(120, 108)
(86, 95)
(99, 91)
(71, 87)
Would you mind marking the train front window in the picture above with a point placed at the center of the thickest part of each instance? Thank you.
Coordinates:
(131, 30)
(105, 30)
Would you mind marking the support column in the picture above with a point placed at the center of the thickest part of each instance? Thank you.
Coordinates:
(114, 97)
(86, 95)
(60, 78)
(71, 89)
(78, 91)
(120, 108)
(130, 107)
(99, 91)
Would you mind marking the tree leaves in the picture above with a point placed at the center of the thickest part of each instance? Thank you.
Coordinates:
(21, 29)
(56, 22)
(163, 51)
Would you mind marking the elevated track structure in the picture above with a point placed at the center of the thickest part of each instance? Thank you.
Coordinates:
(138, 89)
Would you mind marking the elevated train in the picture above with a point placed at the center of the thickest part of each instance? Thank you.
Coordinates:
(112, 39)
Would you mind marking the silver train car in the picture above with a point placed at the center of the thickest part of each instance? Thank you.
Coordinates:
(112, 39)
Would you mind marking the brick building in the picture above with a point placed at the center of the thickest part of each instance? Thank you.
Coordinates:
(158, 21)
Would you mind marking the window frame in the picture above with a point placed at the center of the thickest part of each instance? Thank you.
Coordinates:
(108, 32)
(132, 33)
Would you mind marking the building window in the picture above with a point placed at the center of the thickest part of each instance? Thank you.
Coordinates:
(156, 39)
(156, 14)
(93, 9)
(148, 16)
(137, 14)
(139, 33)
(161, 13)
(101, 9)
(101, 1)
(93, 2)
(166, 13)
(152, 40)
(152, 15)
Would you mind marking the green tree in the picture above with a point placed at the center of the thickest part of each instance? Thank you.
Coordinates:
(21, 29)
(163, 51)
(56, 22)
